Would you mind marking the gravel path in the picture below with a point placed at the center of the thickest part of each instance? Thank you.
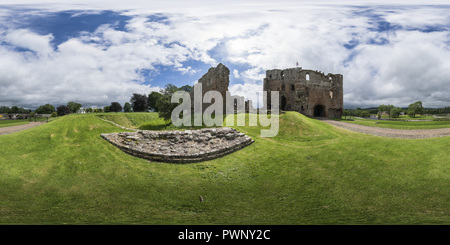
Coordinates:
(392, 133)
(13, 129)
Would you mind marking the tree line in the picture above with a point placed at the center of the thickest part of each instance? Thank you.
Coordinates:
(13, 109)
(153, 102)
(161, 102)
(392, 111)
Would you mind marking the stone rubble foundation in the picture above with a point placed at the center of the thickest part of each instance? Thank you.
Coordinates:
(180, 146)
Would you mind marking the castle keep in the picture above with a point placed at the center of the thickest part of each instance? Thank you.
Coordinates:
(309, 92)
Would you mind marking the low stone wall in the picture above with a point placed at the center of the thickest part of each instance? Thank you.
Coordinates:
(180, 146)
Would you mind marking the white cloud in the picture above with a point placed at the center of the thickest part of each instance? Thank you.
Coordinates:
(236, 73)
(26, 39)
(75, 72)
(412, 67)
(385, 66)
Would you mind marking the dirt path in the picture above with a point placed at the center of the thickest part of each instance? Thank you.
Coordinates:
(392, 133)
(13, 129)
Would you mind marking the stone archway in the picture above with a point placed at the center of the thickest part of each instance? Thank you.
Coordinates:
(319, 111)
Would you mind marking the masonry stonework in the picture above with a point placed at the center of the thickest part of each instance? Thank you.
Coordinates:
(216, 79)
(309, 92)
(180, 146)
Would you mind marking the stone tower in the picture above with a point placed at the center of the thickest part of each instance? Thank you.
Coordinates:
(216, 79)
(309, 92)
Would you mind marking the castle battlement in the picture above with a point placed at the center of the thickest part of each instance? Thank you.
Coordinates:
(312, 93)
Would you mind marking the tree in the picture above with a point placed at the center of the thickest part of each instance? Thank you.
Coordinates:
(388, 109)
(415, 108)
(106, 109)
(127, 107)
(385, 108)
(152, 99)
(139, 102)
(45, 109)
(74, 107)
(115, 107)
(14, 109)
(395, 112)
(5, 109)
(186, 88)
(63, 110)
(164, 104)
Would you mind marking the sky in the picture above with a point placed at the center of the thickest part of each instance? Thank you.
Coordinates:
(98, 52)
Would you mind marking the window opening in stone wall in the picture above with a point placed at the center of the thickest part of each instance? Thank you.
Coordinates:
(307, 77)
(292, 87)
(331, 94)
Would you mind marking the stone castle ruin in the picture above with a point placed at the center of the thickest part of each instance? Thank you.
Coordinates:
(309, 92)
(216, 79)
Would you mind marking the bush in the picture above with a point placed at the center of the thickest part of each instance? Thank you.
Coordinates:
(63, 110)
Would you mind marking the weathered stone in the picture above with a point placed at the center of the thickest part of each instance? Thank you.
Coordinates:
(216, 79)
(164, 145)
(309, 92)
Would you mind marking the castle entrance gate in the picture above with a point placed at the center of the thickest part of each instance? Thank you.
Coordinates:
(319, 111)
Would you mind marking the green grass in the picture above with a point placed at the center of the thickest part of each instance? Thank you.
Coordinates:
(402, 124)
(407, 118)
(133, 120)
(9, 123)
(311, 173)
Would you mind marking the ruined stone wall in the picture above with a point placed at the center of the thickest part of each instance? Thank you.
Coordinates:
(180, 146)
(309, 92)
(217, 79)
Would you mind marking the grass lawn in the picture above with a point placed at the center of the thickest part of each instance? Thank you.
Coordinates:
(9, 123)
(406, 117)
(63, 172)
(403, 124)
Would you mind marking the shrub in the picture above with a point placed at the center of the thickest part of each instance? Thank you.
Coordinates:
(63, 110)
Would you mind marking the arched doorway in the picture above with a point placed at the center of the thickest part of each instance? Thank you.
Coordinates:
(283, 103)
(319, 111)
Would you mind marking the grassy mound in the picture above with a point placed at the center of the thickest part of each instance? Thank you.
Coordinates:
(311, 173)
(136, 120)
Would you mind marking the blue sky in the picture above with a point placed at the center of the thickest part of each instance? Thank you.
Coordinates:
(393, 52)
